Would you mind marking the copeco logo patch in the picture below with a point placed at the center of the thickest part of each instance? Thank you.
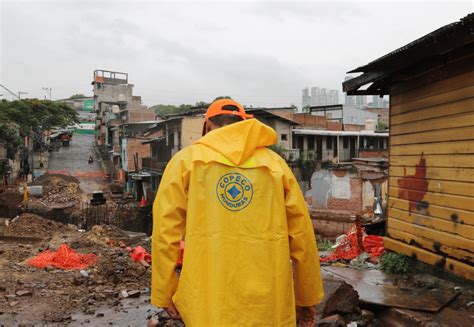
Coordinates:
(234, 191)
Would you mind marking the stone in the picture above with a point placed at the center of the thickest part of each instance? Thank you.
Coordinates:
(339, 297)
(331, 321)
(124, 294)
(99, 315)
(10, 297)
(13, 303)
(24, 293)
(134, 294)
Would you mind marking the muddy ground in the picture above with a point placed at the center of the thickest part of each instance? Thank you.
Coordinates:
(50, 296)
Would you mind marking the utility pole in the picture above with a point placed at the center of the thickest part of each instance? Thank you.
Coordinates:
(48, 89)
(9, 91)
(20, 93)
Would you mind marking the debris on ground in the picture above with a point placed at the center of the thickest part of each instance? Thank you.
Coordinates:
(354, 244)
(59, 293)
(341, 306)
(63, 258)
(58, 190)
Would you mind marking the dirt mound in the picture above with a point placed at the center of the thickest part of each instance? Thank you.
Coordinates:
(61, 192)
(10, 198)
(101, 234)
(48, 179)
(31, 225)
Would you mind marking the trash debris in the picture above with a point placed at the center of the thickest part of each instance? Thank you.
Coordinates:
(139, 254)
(355, 242)
(64, 258)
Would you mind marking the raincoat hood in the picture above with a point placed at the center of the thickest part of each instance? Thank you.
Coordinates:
(238, 142)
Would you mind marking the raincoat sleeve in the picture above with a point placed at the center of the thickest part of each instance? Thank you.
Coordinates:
(303, 249)
(169, 213)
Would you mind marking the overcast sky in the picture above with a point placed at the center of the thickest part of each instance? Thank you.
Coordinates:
(260, 53)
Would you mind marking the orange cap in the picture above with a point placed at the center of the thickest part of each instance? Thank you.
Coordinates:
(218, 108)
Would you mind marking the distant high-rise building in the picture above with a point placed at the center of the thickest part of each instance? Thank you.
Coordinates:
(349, 99)
(324, 97)
(306, 99)
(333, 97)
(361, 101)
(315, 96)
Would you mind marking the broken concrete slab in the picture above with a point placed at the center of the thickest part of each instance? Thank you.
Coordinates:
(389, 295)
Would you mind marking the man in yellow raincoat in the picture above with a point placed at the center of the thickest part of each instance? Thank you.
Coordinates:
(244, 218)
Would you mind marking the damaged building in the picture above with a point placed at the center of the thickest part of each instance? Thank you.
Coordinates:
(431, 191)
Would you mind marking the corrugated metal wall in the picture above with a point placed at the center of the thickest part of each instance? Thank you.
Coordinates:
(431, 184)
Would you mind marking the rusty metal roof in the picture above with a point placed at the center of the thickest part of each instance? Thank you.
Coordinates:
(436, 43)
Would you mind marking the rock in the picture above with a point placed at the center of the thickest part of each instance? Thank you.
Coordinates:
(13, 303)
(110, 293)
(100, 314)
(331, 321)
(339, 297)
(366, 318)
(10, 297)
(84, 273)
(134, 294)
(124, 294)
(24, 293)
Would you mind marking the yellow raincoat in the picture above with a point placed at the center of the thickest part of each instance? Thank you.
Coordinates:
(244, 217)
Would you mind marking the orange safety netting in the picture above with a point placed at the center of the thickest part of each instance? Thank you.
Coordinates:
(64, 258)
(354, 243)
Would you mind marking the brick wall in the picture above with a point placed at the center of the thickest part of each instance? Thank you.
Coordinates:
(134, 145)
(373, 153)
(139, 115)
(354, 204)
(310, 121)
(334, 126)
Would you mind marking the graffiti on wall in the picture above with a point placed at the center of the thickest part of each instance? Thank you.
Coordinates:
(414, 187)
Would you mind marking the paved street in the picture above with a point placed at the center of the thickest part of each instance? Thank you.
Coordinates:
(73, 161)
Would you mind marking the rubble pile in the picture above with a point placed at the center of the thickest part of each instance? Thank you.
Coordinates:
(58, 189)
(61, 192)
(59, 293)
(31, 225)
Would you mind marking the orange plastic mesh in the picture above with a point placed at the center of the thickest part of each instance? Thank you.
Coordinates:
(63, 258)
(350, 248)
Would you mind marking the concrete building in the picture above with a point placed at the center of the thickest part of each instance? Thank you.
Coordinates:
(306, 99)
(115, 107)
(315, 96)
(430, 199)
(338, 146)
(344, 114)
(333, 97)
(85, 110)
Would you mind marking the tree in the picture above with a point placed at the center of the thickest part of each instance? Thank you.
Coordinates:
(37, 115)
(77, 96)
(12, 141)
(166, 109)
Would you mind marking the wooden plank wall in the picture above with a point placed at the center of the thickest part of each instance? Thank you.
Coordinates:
(431, 184)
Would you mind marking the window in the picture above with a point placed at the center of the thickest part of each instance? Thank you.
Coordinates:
(329, 142)
(381, 143)
(345, 142)
(284, 137)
